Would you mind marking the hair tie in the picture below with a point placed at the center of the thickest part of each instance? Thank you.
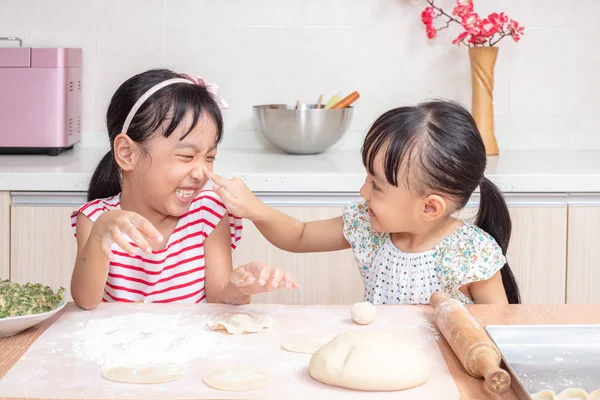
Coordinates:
(212, 88)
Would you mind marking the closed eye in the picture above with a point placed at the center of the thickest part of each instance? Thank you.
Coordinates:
(375, 187)
(186, 156)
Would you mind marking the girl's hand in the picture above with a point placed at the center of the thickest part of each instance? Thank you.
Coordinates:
(111, 227)
(238, 197)
(257, 278)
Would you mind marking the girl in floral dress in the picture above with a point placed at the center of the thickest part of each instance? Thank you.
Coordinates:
(423, 163)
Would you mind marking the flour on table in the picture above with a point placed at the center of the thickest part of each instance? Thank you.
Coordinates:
(406, 329)
(141, 339)
(64, 361)
(237, 378)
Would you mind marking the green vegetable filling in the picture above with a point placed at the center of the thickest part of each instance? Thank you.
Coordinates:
(26, 299)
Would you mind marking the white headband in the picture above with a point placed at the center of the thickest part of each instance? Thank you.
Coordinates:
(210, 87)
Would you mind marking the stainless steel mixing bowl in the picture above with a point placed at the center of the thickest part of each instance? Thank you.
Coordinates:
(306, 130)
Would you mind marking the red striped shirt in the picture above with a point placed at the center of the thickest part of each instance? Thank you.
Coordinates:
(175, 273)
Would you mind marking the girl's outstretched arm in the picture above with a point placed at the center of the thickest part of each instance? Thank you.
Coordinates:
(283, 231)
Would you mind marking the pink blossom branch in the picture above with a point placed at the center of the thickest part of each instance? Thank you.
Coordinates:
(502, 35)
(445, 26)
(442, 12)
(477, 35)
(449, 20)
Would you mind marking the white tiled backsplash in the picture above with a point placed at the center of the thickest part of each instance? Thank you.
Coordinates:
(273, 51)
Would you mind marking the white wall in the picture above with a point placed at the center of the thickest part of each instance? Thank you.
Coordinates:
(272, 51)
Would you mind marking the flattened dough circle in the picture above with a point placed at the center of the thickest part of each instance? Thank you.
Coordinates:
(237, 324)
(306, 343)
(144, 375)
(237, 378)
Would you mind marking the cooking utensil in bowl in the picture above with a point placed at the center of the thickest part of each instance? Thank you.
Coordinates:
(347, 101)
(320, 101)
(333, 100)
(306, 130)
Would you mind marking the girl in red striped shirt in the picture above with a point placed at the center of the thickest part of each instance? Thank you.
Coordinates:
(149, 231)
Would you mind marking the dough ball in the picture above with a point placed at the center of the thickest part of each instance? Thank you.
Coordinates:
(237, 379)
(307, 343)
(159, 374)
(544, 395)
(237, 324)
(363, 313)
(573, 394)
(370, 361)
(595, 395)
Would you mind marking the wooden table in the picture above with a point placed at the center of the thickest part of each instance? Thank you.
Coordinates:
(12, 348)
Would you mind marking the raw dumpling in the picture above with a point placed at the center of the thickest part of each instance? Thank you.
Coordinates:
(544, 395)
(572, 394)
(237, 324)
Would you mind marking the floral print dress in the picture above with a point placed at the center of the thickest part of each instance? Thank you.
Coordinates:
(392, 276)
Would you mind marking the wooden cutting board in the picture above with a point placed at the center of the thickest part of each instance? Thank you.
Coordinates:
(65, 362)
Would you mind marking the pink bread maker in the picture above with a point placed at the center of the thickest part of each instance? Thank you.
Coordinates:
(40, 99)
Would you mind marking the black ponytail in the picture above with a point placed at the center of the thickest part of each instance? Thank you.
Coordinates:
(106, 180)
(494, 218)
(442, 139)
(162, 112)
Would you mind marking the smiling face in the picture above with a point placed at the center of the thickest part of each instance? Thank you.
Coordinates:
(391, 208)
(166, 173)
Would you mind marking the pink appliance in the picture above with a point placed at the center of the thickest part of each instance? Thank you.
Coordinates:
(40, 99)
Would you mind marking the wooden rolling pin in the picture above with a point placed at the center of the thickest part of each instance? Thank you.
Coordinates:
(470, 343)
(346, 101)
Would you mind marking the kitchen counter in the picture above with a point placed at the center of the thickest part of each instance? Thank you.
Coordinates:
(337, 171)
(12, 348)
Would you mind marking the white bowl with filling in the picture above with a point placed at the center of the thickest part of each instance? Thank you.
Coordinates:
(25, 305)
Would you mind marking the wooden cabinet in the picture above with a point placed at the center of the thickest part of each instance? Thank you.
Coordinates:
(537, 252)
(42, 249)
(324, 278)
(4, 235)
(583, 274)
(42, 245)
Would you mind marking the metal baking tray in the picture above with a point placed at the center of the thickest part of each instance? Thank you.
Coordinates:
(555, 357)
